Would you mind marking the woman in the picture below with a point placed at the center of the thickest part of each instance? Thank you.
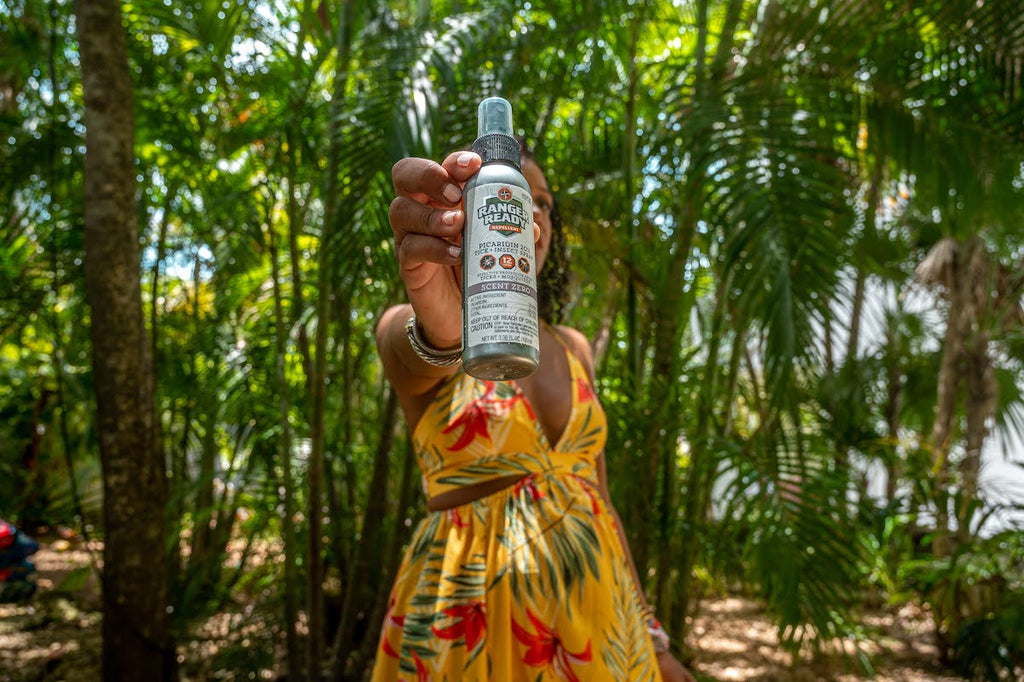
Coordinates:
(520, 570)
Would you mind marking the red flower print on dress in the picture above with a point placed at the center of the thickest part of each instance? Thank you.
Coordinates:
(470, 623)
(584, 394)
(473, 420)
(422, 674)
(595, 509)
(530, 483)
(389, 622)
(545, 649)
(456, 518)
(502, 407)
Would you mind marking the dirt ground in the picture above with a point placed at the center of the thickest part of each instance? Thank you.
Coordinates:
(56, 637)
(733, 640)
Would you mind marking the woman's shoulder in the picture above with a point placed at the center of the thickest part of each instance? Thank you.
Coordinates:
(578, 343)
(572, 336)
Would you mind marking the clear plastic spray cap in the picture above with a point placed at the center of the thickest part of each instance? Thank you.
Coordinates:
(494, 116)
(495, 141)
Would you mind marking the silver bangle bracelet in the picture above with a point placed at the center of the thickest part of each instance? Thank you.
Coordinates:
(448, 357)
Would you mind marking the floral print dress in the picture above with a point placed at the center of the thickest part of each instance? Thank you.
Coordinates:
(529, 583)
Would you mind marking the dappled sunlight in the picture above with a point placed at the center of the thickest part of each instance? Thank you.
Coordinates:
(734, 640)
(57, 636)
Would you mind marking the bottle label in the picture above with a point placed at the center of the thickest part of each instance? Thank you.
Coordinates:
(501, 272)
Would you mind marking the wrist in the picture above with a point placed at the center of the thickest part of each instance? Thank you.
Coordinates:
(427, 351)
(444, 343)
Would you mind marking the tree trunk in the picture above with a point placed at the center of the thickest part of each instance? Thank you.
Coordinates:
(298, 305)
(698, 481)
(893, 407)
(639, 512)
(154, 293)
(325, 291)
(136, 637)
(371, 552)
(950, 371)
(980, 403)
(291, 608)
(341, 487)
(203, 511)
(670, 313)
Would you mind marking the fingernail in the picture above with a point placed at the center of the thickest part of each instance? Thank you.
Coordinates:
(448, 217)
(452, 193)
(464, 159)
(454, 251)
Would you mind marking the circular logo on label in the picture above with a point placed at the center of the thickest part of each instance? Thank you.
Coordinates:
(505, 194)
(487, 262)
(524, 265)
(507, 261)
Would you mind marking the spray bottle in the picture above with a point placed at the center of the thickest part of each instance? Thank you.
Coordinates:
(500, 330)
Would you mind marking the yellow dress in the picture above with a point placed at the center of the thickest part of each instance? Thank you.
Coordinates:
(529, 583)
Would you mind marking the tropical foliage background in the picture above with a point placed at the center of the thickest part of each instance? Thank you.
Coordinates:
(797, 233)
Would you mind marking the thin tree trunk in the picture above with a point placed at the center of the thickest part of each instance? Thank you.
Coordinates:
(842, 457)
(298, 307)
(980, 381)
(392, 557)
(371, 550)
(202, 526)
(633, 364)
(893, 407)
(830, 363)
(179, 456)
(874, 197)
(639, 512)
(325, 291)
(856, 313)
(203, 507)
(671, 313)
(343, 522)
(55, 282)
(698, 474)
(979, 408)
(700, 464)
(950, 371)
(297, 311)
(291, 609)
(154, 286)
(136, 638)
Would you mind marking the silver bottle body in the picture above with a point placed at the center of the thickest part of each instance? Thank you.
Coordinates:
(500, 329)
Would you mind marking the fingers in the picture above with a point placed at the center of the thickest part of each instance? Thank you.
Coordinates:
(433, 184)
(425, 182)
(424, 234)
(426, 215)
(419, 248)
(408, 216)
(461, 166)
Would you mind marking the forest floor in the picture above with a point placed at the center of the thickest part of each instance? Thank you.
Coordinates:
(56, 637)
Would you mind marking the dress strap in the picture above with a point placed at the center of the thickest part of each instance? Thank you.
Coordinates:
(559, 337)
(576, 369)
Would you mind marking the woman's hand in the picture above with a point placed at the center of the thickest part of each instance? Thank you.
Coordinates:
(427, 219)
(672, 670)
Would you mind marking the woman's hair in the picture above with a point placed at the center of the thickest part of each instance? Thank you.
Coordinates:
(553, 279)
